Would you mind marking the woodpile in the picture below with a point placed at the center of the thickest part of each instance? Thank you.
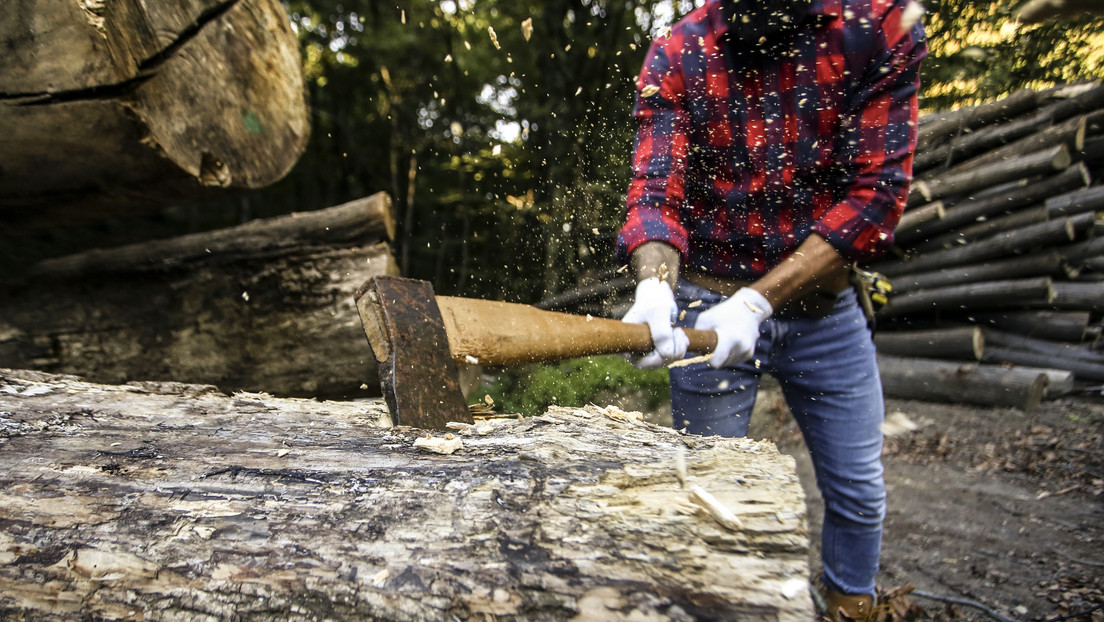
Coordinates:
(997, 272)
(109, 108)
(264, 306)
(174, 501)
(998, 268)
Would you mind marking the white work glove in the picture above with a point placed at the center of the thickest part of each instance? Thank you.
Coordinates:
(736, 322)
(655, 306)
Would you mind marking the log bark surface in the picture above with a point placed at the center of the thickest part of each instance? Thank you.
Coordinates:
(108, 107)
(958, 343)
(178, 502)
(269, 309)
(956, 382)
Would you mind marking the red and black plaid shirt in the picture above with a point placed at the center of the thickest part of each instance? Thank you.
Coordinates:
(741, 154)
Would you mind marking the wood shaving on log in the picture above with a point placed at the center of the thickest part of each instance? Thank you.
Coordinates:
(714, 508)
(447, 445)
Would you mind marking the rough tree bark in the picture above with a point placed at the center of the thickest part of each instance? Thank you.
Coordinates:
(958, 343)
(114, 106)
(266, 306)
(1044, 263)
(953, 381)
(172, 501)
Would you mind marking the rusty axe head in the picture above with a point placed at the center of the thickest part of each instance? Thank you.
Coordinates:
(420, 381)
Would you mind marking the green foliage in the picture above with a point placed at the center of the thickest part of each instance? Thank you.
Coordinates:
(978, 53)
(500, 128)
(603, 379)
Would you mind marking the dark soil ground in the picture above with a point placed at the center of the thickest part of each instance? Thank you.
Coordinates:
(994, 507)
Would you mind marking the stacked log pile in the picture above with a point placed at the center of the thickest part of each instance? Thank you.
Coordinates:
(998, 258)
(172, 501)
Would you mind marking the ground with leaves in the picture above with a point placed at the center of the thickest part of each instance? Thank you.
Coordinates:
(994, 506)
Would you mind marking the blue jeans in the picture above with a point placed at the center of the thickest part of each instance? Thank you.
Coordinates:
(828, 373)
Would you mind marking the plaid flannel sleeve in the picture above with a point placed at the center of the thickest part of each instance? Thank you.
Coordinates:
(876, 147)
(656, 191)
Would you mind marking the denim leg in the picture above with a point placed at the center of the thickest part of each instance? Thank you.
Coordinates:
(829, 376)
(712, 402)
(704, 400)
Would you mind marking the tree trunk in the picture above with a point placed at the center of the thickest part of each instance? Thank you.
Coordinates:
(1078, 296)
(1038, 163)
(125, 106)
(1081, 369)
(1070, 133)
(1072, 326)
(267, 306)
(956, 382)
(177, 502)
(1052, 232)
(1022, 195)
(976, 146)
(1076, 254)
(1059, 351)
(980, 296)
(572, 299)
(952, 124)
(960, 343)
(1076, 202)
(1046, 263)
(985, 228)
(920, 215)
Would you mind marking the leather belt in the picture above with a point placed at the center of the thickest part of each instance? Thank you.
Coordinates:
(817, 303)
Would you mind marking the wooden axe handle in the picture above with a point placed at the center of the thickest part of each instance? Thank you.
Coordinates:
(490, 332)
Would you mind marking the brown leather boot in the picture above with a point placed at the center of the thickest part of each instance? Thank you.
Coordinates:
(848, 607)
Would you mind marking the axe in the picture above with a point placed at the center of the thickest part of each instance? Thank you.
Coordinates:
(419, 338)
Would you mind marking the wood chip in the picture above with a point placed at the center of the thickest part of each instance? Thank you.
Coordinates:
(714, 508)
(448, 445)
(690, 361)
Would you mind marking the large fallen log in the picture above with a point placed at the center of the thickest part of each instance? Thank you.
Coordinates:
(957, 382)
(109, 107)
(168, 501)
(266, 306)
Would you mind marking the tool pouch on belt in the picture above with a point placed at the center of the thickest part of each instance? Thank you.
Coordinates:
(872, 289)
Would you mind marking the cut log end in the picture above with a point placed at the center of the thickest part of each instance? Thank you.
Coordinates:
(157, 105)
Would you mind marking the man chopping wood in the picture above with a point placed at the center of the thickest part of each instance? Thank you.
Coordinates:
(774, 150)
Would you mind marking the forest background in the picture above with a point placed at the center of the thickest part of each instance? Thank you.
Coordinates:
(503, 129)
(503, 132)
